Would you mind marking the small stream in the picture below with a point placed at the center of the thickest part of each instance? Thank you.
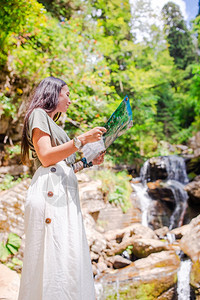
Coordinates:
(183, 282)
(183, 274)
(101, 293)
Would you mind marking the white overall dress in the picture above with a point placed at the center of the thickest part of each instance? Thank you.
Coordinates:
(56, 264)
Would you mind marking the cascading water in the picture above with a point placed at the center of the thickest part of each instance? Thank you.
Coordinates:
(145, 201)
(180, 197)
(141, 192)
(172, 165)
(183, 282)
(174, 177)
(173, 173)
(176, 169)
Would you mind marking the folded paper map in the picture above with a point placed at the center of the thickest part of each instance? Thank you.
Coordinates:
(120, 121)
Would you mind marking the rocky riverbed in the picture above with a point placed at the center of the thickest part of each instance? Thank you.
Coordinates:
(130, 261)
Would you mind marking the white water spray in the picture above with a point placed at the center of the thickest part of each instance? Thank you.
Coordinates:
(145, 201)
(183, 284)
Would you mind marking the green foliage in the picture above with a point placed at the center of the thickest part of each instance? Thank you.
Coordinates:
(8, 108)
(13, 150)
(14, 264)
(115, 187)
(195, 91)
(178, 36)
(9, 247)
(8, 250)
(65, 8)
(18, 19)
(91, 46)
(9, 181)
(129, 249)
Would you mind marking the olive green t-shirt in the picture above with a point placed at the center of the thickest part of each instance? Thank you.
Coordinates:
(40, 119)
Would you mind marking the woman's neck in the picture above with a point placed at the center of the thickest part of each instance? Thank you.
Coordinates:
(51, 114)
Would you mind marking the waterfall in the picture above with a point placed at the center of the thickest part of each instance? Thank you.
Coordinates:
(145, 201)
(176, 170)
(145, 172)
(180, 197)
(173, 165)
(171, 170)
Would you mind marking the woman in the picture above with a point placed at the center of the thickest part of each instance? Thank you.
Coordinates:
(56, 263)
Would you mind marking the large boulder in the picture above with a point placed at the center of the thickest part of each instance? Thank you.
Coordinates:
(158, 214)
(162, 232)
(190, 245)
(119, 262)
(190, 242)
(181, 231)
(135, 229)
(146, 278)
(140, 247)
(169, 205)
(158, 191)
(193, 190)
(144, 247)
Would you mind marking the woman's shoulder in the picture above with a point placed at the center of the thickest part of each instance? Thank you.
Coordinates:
(38, 113)
(38, 110)
(38, 119)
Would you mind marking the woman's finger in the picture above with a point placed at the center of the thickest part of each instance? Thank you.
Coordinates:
(102, 129)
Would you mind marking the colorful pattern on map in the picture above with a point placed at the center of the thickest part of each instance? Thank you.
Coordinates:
(120, 121)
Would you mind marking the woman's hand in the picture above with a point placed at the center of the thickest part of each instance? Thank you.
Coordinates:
(92, 135)
(99, 160)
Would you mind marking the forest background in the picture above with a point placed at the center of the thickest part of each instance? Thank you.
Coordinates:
(94, 47)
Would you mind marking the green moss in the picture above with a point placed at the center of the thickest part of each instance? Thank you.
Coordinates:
(146, 291)
(141, 290)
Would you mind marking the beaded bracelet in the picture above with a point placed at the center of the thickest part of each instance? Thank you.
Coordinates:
(85, 163)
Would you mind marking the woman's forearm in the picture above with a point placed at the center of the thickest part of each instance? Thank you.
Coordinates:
(49, 155)
(55, 154)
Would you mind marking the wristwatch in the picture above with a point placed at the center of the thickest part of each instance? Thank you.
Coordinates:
(77, 143)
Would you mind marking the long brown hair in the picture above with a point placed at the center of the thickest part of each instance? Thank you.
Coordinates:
(45, 96)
